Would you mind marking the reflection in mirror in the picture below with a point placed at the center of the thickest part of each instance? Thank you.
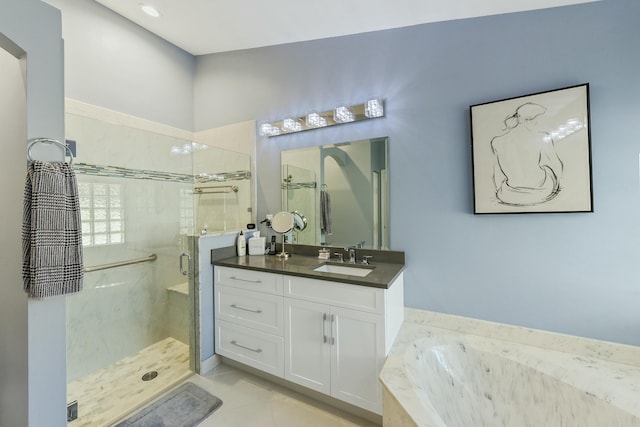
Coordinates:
(342, 190)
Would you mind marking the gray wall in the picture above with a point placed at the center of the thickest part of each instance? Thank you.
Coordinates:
(113, 63)
(13, 310)
(571, 273)
(32, 332)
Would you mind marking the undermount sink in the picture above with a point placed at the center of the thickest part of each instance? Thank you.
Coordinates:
(349, 270)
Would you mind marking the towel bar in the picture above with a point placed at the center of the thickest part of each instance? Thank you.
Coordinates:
(150, 258)
(63, 145)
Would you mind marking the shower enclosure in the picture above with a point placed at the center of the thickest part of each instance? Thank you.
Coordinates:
(145, 198)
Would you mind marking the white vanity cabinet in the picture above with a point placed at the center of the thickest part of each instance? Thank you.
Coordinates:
(334, 336)
(249, 318)
(335, 351)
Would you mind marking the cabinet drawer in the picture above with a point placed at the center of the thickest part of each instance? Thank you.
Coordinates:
(338, 294)
(249, 279)
(249, 308)
(253, 348)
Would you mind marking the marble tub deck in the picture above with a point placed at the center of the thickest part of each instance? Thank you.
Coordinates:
(608, 373)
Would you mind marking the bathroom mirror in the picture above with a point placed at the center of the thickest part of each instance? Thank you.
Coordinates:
(299, 221)
(342, 190)
(282, 223)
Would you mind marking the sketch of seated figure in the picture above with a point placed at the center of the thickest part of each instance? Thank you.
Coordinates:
(527, 169)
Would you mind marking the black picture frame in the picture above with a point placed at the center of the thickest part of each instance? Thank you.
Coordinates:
(532, 153)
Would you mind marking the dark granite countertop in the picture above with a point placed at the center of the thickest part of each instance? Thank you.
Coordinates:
(382, 276)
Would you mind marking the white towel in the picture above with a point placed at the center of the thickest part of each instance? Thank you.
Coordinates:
(51, 231)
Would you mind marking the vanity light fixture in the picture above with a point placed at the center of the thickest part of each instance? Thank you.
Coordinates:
(149, 10)
(315, 120)
(268, 129)
(370, 109)
(373, 108)
(291, 125)
(343, 115)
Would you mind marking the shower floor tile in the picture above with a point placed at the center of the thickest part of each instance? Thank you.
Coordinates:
(112, 392)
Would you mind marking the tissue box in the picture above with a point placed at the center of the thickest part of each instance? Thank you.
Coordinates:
(256, 246)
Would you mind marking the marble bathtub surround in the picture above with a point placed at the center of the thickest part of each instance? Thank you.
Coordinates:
(612, 352)
(453, 371)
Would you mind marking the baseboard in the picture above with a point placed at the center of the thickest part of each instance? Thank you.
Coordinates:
(208, 364)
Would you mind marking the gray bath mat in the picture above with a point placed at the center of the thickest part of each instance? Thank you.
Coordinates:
(185, 406)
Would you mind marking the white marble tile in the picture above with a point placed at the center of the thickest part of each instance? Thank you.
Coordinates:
(613, 352)
(178, 318)
(452, 371)
(122, 310)
(110, 393)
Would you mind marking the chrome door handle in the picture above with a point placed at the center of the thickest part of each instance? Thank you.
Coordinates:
(183, 271)
(324, 332)
(239, 307)
(244, 280)
(333, 339)
(255, 350)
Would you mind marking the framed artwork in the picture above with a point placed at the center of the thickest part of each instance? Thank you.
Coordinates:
(532, 153)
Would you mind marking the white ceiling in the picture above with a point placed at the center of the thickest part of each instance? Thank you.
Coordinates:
(206, 26)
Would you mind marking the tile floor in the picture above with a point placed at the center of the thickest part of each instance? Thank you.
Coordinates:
(104, 396)
(250, 401)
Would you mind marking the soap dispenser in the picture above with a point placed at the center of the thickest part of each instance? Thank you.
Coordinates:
(241, 244)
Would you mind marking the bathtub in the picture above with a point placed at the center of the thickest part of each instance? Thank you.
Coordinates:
(468, 373)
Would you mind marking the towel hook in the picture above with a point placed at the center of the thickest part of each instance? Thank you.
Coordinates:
(35, 141)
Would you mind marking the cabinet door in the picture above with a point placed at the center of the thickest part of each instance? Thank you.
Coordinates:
(249, 308)
(336, 294)
(307, 351)
(357, 355)
(252, 280)
(254, 348)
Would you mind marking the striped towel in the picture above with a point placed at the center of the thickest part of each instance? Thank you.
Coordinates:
(51, 231)
(325, 213)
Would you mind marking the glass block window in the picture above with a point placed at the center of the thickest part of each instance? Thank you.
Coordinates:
(186, 211)
(102, 213)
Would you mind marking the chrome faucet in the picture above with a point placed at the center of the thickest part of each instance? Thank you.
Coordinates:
(352, 254)
(340, 256)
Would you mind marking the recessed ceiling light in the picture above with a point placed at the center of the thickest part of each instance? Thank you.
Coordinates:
(149, 10)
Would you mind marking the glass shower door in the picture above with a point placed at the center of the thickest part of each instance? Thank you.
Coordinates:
(128, 331)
